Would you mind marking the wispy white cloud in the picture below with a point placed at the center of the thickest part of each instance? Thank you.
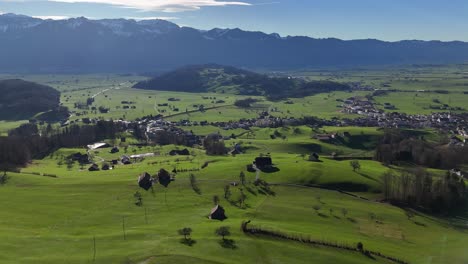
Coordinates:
(152, 18)
(160, 5)
(267, 3)
(52, 17)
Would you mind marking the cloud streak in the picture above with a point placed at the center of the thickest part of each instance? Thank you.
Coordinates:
(160, 5)
(153, 18)
(52, 17)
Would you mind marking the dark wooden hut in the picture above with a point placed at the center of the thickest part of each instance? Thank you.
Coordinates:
(145, 181)
(218, 213)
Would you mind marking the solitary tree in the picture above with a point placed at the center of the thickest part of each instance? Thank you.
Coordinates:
(216, 199)
(138, 199)
(227, 191)
(409, 214)
(318, 198)
(355, 165)
(186, 232)
(242, 177)
(4, 167)
(344, 212)
(223, 232)
(69, 163)
(316, 208)
(360, 246)
(242, 198)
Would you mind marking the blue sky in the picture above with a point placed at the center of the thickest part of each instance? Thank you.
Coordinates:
(346, 19)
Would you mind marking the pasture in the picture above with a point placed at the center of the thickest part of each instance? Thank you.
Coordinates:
(54, 211)
(61, 218)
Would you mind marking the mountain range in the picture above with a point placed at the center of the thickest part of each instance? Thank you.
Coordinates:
(82, 45)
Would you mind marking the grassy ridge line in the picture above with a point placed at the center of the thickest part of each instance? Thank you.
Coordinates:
(255, 230)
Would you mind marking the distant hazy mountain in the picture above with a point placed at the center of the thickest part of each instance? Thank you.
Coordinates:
(119, 45)
(22, 100)
(227, 79)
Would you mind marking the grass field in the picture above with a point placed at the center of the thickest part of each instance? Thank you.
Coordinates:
(76, 216)
(58, 218)
(109, 90)
(419, 103)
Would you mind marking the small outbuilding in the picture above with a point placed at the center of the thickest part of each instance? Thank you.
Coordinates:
(114, 150)
(145, 181)
(236, 150)
(184, 152)
(314, 157)
(105, 166)
(263, 162)
(218, 213)
(125, 160)
(164, 177)
(94, 167)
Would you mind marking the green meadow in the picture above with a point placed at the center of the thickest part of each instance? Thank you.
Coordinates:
(60, 218)
(54, 212)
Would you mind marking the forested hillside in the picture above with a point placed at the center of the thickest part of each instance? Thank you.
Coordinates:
(22, 100)
(226, 79)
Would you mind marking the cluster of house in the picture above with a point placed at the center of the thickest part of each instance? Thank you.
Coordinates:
(373, 117)
(156, 130)
(261, 121)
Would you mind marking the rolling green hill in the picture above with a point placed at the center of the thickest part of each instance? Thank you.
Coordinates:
(226, 79)
(21, 100)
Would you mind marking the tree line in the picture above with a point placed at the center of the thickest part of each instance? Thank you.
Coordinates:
(397, 146)
(419, 188)
(28, 142)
